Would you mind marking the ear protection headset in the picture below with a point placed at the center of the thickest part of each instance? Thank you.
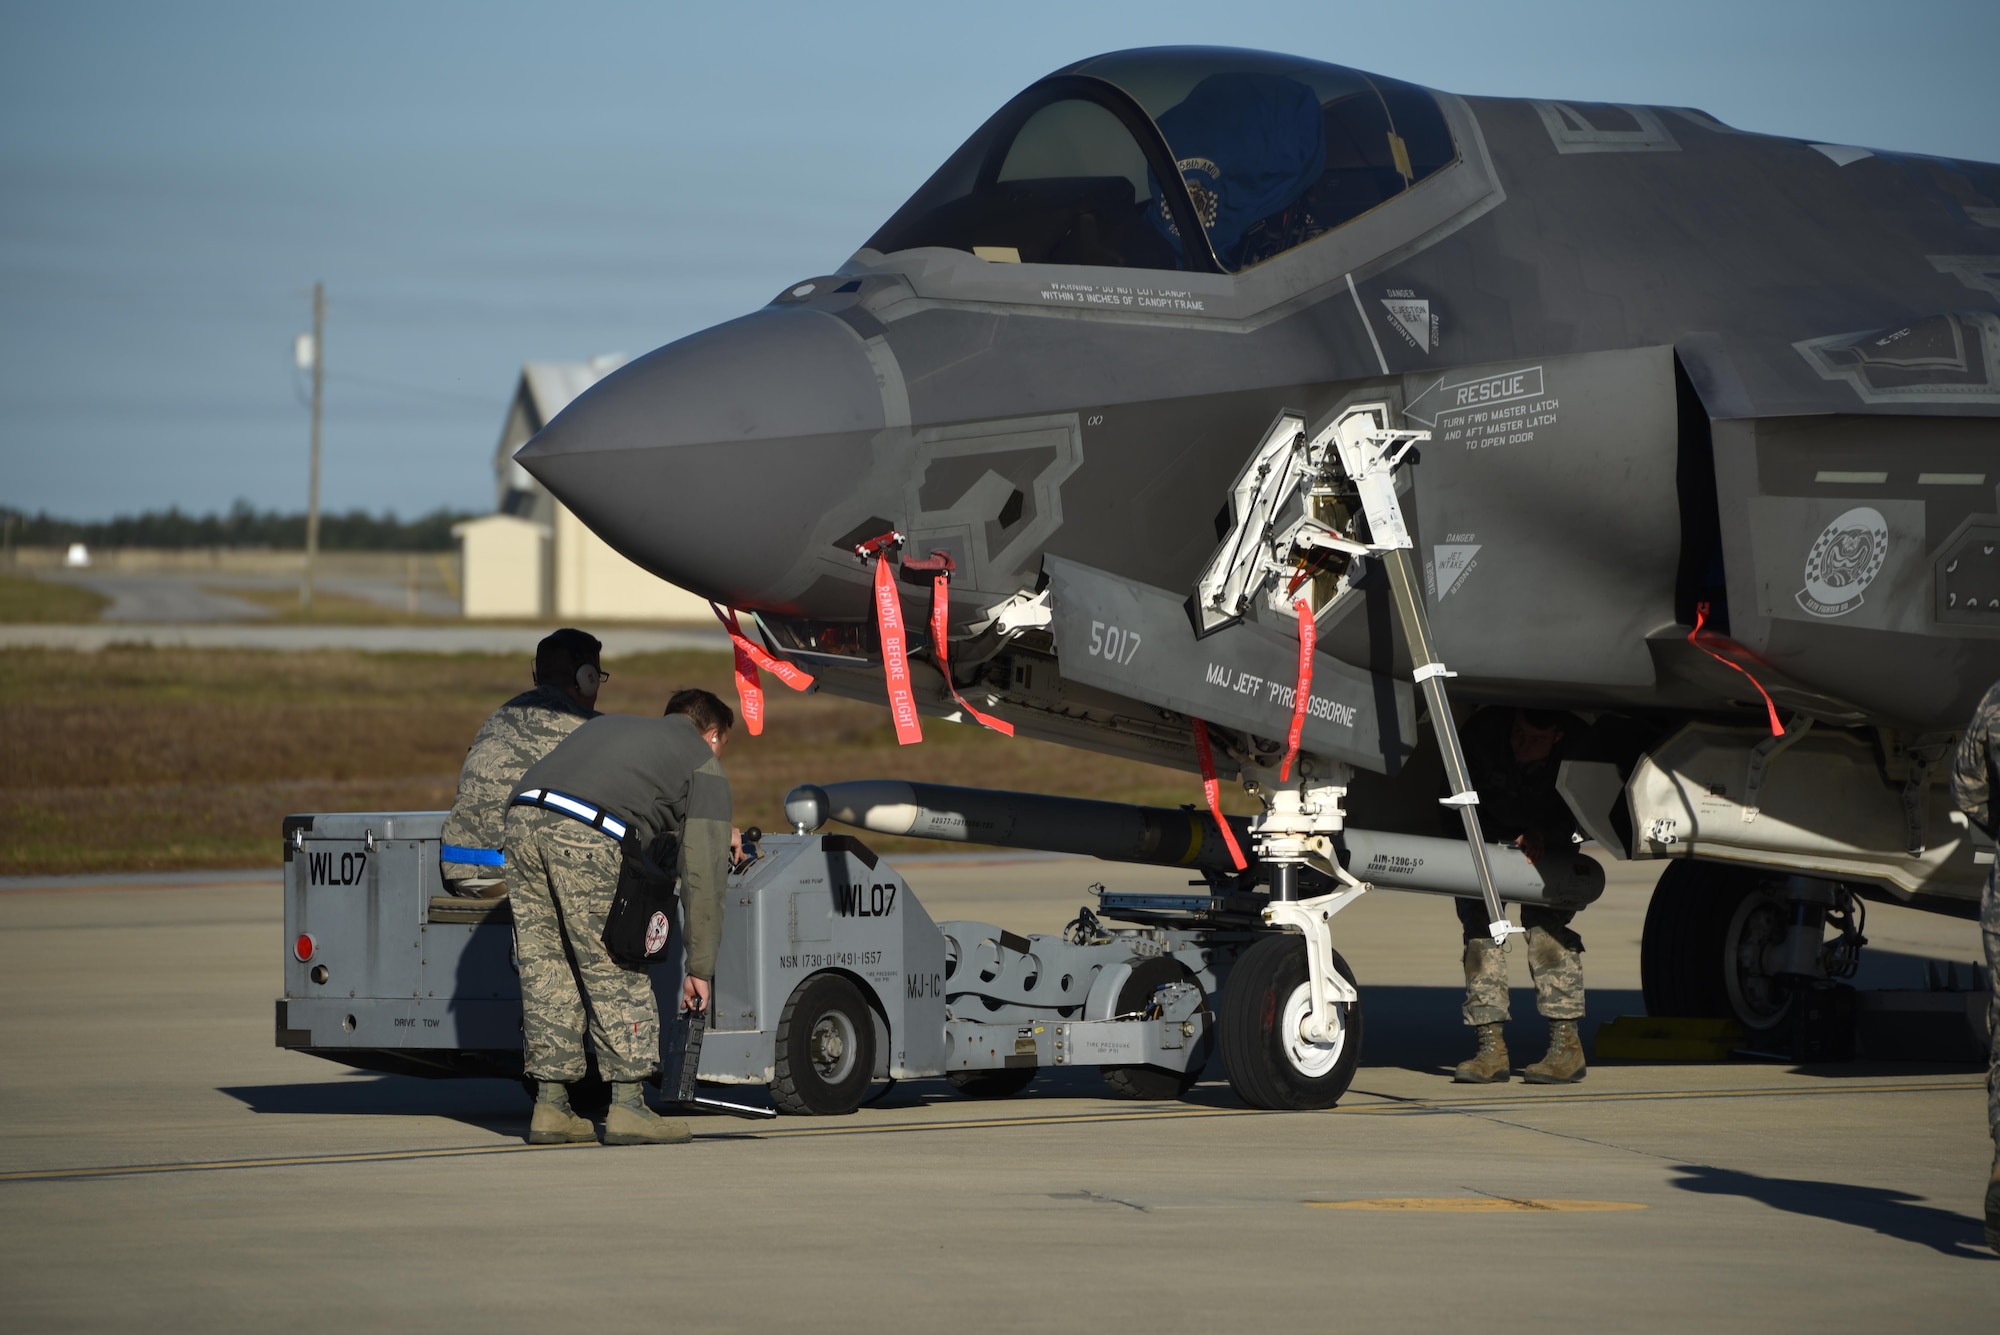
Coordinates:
(584, 682)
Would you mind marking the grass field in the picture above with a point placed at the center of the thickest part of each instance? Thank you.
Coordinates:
(43, 601)
(150, 759)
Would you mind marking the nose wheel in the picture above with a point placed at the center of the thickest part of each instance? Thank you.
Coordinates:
(1270, 1061)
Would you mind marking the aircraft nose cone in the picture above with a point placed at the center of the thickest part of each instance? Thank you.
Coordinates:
(711, 461)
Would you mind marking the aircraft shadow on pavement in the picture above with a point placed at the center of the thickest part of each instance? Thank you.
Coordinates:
(488, 1104)
(1893, 1214)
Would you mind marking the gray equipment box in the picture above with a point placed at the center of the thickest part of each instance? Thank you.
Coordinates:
(830, 975)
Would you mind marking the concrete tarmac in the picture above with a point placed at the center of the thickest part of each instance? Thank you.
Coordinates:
(164, 1166)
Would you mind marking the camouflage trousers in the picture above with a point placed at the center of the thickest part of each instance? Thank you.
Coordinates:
(1555, 960)
(561, 875)
(1989, 922)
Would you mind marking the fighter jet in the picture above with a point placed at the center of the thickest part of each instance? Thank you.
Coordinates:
(1189, 354)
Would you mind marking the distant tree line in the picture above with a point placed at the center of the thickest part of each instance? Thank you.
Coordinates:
(243, 526)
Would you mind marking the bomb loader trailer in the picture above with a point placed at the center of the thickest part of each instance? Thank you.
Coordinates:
(832, 976)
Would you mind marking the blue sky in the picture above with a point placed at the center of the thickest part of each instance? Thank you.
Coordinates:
(484, 184)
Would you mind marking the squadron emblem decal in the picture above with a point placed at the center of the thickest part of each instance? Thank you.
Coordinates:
(1845, 558)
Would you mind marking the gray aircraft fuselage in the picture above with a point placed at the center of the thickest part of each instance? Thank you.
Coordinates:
(1664, 362)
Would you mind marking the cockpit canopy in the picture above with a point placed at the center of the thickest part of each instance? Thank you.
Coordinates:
(1116, 160)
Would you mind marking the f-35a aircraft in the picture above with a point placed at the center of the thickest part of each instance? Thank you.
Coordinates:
(1610, 408)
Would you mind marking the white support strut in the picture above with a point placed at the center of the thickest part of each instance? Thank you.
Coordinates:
(1329, 988)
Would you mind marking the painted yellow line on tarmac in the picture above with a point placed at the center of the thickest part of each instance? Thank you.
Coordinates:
(1391, 1107)
(1475, 1205)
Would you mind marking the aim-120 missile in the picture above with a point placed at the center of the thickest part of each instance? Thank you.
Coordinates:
(1165, 836)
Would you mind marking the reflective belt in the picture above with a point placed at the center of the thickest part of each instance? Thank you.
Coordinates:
(472, 857)
(550, 800)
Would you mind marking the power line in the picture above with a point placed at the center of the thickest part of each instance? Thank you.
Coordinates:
(430, 391)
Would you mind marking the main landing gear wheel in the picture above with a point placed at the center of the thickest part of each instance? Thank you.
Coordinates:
(1270, 1063)
(992, 1084)
(1156, 1084)
(1709, 930)
(826, 1049)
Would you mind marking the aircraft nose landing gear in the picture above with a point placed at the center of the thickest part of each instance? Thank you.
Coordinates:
(1291, 1026)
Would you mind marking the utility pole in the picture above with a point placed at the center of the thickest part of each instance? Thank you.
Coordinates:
(312, 489)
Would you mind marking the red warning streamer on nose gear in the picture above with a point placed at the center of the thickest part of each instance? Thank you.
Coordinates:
(895, 656)
(749, 657)
(940, 562)
(1211, 788)
(1694, 638)
(1308, 633)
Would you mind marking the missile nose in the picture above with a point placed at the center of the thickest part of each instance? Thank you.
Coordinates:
(712, 461)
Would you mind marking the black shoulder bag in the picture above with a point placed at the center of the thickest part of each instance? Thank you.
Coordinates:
(642, 911)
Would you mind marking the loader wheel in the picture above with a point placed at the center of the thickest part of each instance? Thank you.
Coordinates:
(1270, 1064)
(826, 1049)
(992, 1084)
(1708, 928)
(1156, 1084)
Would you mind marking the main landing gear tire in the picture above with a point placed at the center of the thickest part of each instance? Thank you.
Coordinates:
(1270, 1064)
(826, 1049)
(1001, 1084)
(1708, 930)
(1156, 1084)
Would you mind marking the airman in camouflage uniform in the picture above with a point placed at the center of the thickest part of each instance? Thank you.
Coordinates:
(514, 737)
(1513, 756)
(1972, 788)
(618, 780)
(566, 873)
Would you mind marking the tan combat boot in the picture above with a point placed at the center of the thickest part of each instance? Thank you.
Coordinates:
(1564, 1064)
(628, 1121)
(557, 1124)
(1489, 1065)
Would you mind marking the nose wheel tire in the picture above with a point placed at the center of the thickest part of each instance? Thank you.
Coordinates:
(1271, 1064)
(826, 1049)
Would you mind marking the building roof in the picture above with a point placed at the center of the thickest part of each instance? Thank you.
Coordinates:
(545, 389)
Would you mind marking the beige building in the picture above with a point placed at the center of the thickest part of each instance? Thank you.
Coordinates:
(534, 560)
